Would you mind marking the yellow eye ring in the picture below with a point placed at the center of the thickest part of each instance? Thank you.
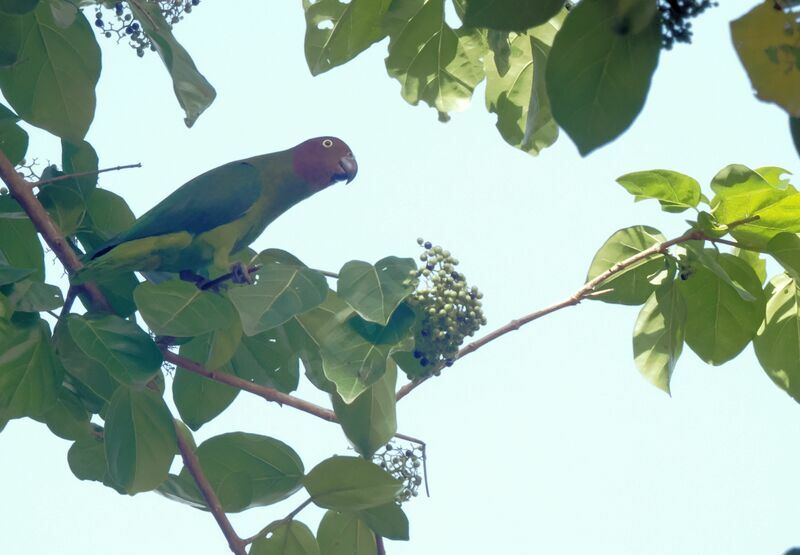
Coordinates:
(327, 143)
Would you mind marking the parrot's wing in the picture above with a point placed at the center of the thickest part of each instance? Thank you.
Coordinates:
(210, 200)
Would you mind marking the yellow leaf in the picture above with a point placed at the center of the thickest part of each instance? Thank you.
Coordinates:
(768, 43)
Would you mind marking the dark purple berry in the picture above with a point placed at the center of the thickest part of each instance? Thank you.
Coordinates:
(424, 333)
(135, 26)
(448, 362)
(428, 244)
(195, 2)
(430, 267)
(424, 361)
(455, 276)
(129, 29)
(417, 354)
(98, 23)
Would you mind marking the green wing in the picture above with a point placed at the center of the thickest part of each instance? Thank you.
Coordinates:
(209, 200)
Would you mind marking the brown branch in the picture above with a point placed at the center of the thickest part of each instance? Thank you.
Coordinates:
(588, 289)
(273, 525)
(379, 544)
(42, 182)
(21, 191)
(267, 393)
(212, 501)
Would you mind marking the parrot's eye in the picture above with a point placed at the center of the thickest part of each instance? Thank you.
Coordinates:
(327, 143)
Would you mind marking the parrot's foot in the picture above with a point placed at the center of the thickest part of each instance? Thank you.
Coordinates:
(240, 273)
(188, 275)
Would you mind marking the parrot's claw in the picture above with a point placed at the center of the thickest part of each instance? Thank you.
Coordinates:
(240, 273)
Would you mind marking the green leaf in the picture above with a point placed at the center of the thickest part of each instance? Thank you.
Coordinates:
(139, 439)
(370, 421)
(636, 283)
(337, 32)
(754, 260)
(720, 322)
(597, 79)
(375, 291)
(249, 470)
(118, 290)
(777, 344)
(775, 176)
(28, 371)
(434, 63)
(280, 292)
(658, 335)
(516, 90)
(183, 490)
(268, 359)
(17, 7)
(122, 347)
(64, 12)
(388, 521)
(785, 248)
(674, 191)
(708, 258)
(79, 158)
(179, 309)
(305, 347)
(510, 15)
(107, 214)
(67, 418)
(88, 371)
(350, 484)
(87, 460)
(10, 40)
(33, 296)
(64, 203)
(765, 39)
(54, 87)
(19, 243)
(742, 193)
(13, 139)
(199, 399)
(345, 534)
(193, 91)
(288, 538)
(9, 274)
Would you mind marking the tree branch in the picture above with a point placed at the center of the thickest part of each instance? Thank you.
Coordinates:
(21, 191)
(588, 289)
(42, 182)
(192, 464)
(273, 525)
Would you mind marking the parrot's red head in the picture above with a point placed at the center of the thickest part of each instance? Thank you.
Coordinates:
(323, 161)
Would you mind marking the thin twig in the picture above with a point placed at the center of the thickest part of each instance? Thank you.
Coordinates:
(273, 525)
(71, 293)
(379, 545)
(192, 464)
(272, 395)
(736, 244)
(42, 182)
(329, 274)
(21, 191)
(424, 449)
(588, 289)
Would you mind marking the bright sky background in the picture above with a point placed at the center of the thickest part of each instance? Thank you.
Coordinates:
(547, 441)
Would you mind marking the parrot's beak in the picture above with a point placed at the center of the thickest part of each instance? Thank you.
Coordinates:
(349, 169)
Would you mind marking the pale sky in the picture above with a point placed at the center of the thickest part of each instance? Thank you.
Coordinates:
(547, 441)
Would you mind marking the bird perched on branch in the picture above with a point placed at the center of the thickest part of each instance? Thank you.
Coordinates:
(202, 223)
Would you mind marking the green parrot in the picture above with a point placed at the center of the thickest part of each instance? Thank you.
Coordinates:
(207, 219)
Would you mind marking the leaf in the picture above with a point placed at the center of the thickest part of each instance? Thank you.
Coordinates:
(345, 534)
(122, 347)
(708, 258)
(337, 32)
(33, 296)
(180, 309)
(785, 248)
(754, 260)
(350, 484)
(183, 490)
(249, 470)
(87, 461)
(107, 214)
(388, 521)
(742, 193)
(637, 282)
(19, 243)
(193, 91)
(88, 371)
(197, 398)
(54, 87)
(13, 139)
(720, 322)
(510, 15)
(17, 7)
(777, 344)
(64, 12)
(765, 39)
(598, 79)
(674, 191)
(434, 63)
(28, 371)
(288, 538)
(267, 359)
(375, 291)
(139, 439)
(10, 40)
(67, 418)
(64, 204)
(79, 158)
(370, 421)
(9, 274)
(658, 335)
(280, 292)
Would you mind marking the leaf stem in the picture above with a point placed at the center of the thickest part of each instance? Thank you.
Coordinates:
(272, 525)
(212, 501)
(42, 182)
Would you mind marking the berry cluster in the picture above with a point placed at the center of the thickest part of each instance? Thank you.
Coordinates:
(125, 26)
(675, 14)
(405, 465)
(448, 310)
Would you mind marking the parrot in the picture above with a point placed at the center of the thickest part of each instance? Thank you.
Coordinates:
(199, 225)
